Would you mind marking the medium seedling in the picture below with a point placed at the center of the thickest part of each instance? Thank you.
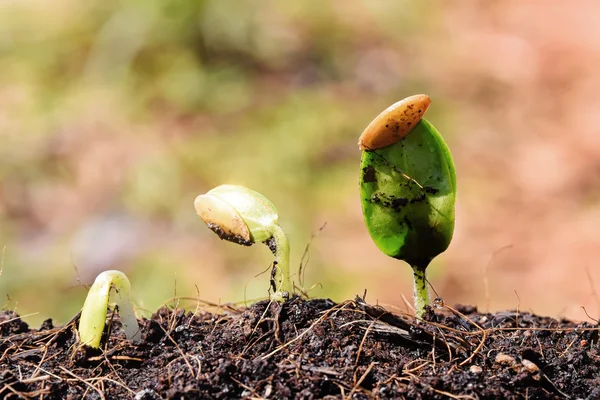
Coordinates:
(110, 288)
(408, 188)
(243, 216)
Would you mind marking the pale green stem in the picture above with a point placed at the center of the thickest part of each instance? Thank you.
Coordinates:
(109, 287)
(421, 291)
(281, 250)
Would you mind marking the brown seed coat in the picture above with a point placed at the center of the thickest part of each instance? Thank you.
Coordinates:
(223, 219)
(394, 123)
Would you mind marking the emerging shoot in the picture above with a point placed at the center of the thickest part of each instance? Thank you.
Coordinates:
(408, 188)
(110, 288)
(243, 216)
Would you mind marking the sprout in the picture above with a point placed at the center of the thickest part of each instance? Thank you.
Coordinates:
(110, 287)
(243, 216)
(408, 188)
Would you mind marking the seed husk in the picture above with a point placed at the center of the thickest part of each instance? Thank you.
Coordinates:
(394, 123)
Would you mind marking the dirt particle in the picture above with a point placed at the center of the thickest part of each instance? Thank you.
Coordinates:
(399, 202)
(228, 236)
(475, 369)
(271, 244)
(369, 175)
(530, 366)
(419, 198)
(505, 359)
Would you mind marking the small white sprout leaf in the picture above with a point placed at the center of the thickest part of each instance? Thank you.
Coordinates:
(241, 214)
(110, 288)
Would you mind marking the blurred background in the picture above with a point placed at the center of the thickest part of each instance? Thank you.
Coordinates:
(115, 115)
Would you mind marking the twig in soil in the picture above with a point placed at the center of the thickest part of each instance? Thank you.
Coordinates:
(342, 389)
(37, 369)
(18, 317)
(360, 347)
(578, 329)
(306, 258)
(115, 358)
(433, 355)
(260, 320)
(6, 351)
(305, 292)
(594, 295)
(407, 304)
(251, 390)
(320, 370)
(568, 347)
(227, 306)
(22, 395)
(432, 288)
(337, 308)
(104, 356)
(541, 348)
(454, 396)
(179, 349)
(362, 378)
(36, 379)
(46, 371)
(447, 344)
(477, 350)
(566, 396)
(277, 324)
(254, 342)
(85, 382)
(418, 368)
(483, 337)
(588, 315)
(51, 336)
(103, 379)
(199, 366)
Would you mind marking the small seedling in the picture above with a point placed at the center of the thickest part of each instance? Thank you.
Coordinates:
(243, 216)
(110, 288)
(408, 188)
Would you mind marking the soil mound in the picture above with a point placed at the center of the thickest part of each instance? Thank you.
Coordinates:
(308, 349)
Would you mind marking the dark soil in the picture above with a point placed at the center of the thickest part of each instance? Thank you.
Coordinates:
(308, 350)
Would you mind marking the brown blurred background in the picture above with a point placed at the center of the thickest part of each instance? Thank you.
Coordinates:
(115, 115)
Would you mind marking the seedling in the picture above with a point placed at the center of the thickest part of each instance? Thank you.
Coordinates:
(408, 188)
(110, 288)
(243, 216)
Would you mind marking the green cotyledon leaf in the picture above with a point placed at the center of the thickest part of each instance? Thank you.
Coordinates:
(408, 191)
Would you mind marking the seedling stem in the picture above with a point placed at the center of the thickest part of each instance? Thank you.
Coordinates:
(421, 291)
(281, 249)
